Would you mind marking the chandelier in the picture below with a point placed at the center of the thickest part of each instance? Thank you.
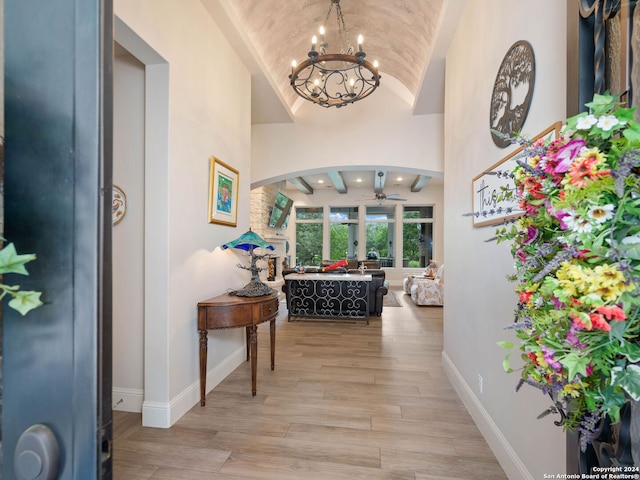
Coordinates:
(335, 79)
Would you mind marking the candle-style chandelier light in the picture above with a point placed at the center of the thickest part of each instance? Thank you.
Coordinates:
(335, 79)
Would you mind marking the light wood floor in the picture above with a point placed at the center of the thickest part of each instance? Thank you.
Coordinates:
(346, 401)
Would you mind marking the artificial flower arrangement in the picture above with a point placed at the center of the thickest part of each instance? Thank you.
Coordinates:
(577, 260)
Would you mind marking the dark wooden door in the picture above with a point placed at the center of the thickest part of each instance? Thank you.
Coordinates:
(57, 359)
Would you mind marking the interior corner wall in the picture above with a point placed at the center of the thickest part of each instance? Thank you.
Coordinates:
(208, 113)
(128, 234)
(480, 301)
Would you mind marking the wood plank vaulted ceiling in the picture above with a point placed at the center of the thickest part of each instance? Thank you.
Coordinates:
(408, 37)
(398, 33)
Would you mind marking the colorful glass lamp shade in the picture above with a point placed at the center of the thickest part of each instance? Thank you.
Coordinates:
(249, 241)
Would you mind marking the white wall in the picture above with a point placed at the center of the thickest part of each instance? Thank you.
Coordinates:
(128, 234)
(480, 301)
(378, 131)
(206, 107)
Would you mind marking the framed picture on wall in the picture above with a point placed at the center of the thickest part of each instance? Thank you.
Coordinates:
(223, 193)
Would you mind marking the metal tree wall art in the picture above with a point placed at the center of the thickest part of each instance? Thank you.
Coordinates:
(512, 92)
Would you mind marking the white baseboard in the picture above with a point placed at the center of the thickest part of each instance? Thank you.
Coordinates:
(127, 399)
(506, 456)
(163, 415)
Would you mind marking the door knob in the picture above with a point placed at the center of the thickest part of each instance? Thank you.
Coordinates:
(37, 455)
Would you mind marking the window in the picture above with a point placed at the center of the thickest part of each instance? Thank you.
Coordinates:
(309, 235)
(417, 235)
(380, 233)
(343, 229)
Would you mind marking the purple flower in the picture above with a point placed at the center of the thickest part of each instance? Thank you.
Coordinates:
(567, 154)
(548, 354)
(532, 233)
(561, 215)
(572, 339)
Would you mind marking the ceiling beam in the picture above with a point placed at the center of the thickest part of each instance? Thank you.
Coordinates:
(338, 181)
(301, 185)
(379, 179)
(419, 183)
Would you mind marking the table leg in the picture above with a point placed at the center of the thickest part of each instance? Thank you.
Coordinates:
(248, 332)
(203, 366)
(254, 357)
(272, 329)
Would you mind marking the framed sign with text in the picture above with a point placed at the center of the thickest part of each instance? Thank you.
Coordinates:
(493, 191)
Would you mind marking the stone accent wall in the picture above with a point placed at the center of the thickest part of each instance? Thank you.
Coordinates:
(262, 200)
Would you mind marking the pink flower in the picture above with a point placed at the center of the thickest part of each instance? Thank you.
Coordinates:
(598, 321)
(612, 313)
(567, 154)
(532, 233)
(558, 215)
(578, 324)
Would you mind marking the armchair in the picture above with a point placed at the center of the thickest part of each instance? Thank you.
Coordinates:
(428, 291)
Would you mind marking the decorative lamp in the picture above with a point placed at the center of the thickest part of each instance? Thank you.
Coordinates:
(249, 241)
(335, 79)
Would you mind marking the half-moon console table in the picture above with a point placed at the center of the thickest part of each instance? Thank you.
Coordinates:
(231, 311)
(329, 295)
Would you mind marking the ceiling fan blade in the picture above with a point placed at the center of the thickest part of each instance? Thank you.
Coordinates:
(394, 196)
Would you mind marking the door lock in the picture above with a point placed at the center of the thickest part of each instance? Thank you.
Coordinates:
(37, 455)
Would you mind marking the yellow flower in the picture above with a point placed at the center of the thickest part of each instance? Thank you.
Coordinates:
(569, 288)
(575, 274)
(609, 283)
(533, 161)
(540, 359)
(571, 390)
(607, 276)
(593, 155)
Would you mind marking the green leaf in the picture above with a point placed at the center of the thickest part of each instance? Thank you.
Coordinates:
(505, 365)
(24, 302)
(617, 330)
(628, 379)
(11, 262)
(631, 351)
(575, 364)
(632, 133)
(601, 104)
(612, 401)
(505, 344)
(632, 251)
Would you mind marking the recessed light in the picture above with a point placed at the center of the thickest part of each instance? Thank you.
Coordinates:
(399, 179)
(359, 180)
(320, 181)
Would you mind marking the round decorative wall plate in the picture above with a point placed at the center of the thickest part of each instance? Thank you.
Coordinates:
(512, 92)
(119, 205)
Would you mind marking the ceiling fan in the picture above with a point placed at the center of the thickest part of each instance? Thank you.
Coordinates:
(380, 196)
